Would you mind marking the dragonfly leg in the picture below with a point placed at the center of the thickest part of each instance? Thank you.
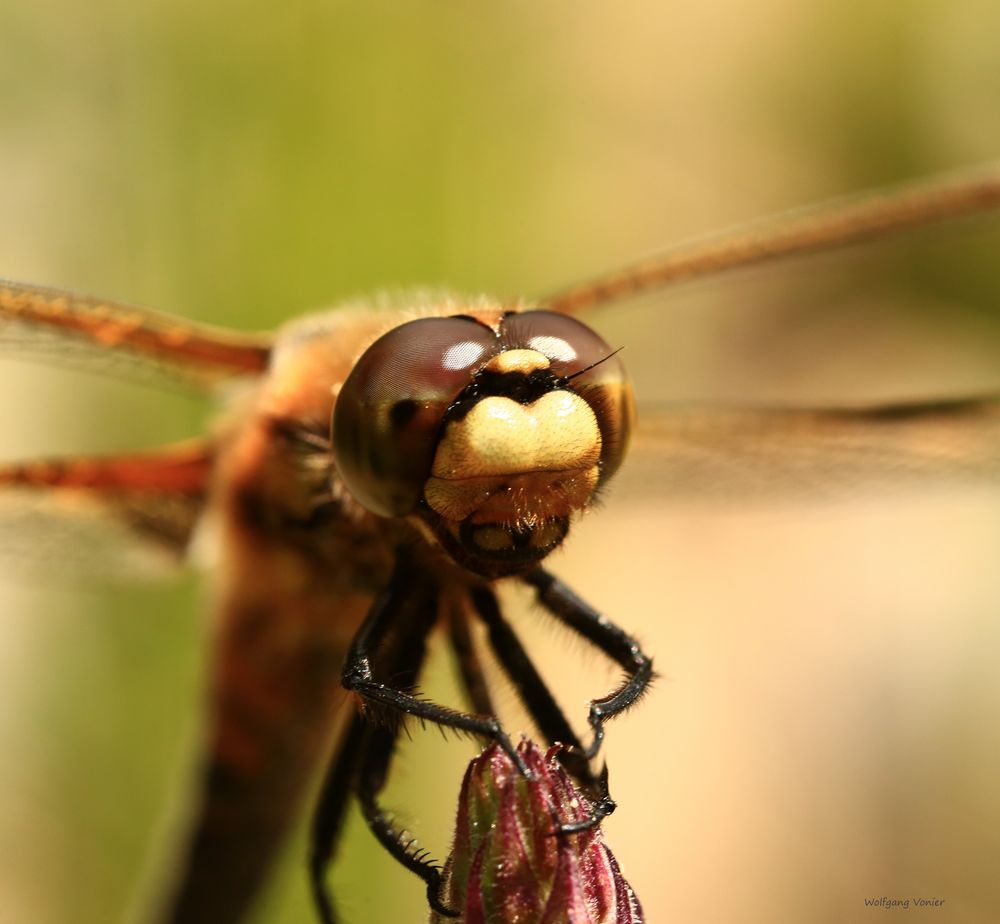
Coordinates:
(404, 658)
(362, 763)
(359, 675)
(597, 629)
(377, 756)
(328, 820)
(470, 668)
(542, 706)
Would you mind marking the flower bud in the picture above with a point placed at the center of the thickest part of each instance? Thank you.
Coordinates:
(509, 863)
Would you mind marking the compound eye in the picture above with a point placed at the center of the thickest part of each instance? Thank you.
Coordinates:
(388, 415)
(590, 367)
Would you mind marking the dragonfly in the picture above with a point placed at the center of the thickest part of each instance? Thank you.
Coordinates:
(378, 473)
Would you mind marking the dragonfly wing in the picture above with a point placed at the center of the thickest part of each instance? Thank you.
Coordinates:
(817, 228)
(108, 518)
(107, 336)
(288, 606)
(730, 453)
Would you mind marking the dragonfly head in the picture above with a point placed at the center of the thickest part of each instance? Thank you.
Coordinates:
(493, 435)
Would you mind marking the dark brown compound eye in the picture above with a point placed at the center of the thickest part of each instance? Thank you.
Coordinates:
(590, 367)
(388, 415)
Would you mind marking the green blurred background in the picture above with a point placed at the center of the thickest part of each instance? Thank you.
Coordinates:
(826, 728)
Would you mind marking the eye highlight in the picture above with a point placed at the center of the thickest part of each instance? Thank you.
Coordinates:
(462, 355)
(553, 347)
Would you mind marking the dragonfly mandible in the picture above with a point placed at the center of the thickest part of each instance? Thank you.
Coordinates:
(381, 471)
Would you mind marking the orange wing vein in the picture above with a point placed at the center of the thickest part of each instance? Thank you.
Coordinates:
(826, 226)
(77, 329)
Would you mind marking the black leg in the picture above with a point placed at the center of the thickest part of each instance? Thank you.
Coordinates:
(338, 787)
(404, 616)
(470, 668)
(403, 662)
(376, 760)
(542, 706)
(530, 686)
(569, 609)
(359, 675)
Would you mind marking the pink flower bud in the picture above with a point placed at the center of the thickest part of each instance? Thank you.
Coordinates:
(509, 866)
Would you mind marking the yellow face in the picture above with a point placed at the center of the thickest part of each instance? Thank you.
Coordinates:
(492, 433)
